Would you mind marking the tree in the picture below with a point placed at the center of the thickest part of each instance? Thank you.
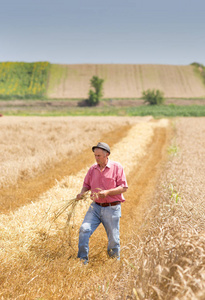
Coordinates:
(94, 97)
(93, 100)
(153, 97)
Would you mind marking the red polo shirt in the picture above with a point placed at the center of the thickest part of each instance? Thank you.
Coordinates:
(110, 177)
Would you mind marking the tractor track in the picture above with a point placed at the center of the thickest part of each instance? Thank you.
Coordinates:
(26, 191)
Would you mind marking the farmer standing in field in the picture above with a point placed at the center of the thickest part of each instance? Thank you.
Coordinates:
(107, 182)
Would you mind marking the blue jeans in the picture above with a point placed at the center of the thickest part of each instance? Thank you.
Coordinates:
(109, 216)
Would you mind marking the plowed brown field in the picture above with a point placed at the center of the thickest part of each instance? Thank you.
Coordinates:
(125, 81)
(37, 263)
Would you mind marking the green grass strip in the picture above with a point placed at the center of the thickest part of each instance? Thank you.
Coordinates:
(168, 111)
(155, 111)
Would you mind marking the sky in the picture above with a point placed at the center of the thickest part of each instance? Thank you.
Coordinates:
(103, 31)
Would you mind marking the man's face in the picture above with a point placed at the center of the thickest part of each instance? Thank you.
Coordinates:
(100, 156)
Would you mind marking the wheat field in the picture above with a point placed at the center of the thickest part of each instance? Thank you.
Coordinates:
(31, 145)
(162, 224)
(125, 81)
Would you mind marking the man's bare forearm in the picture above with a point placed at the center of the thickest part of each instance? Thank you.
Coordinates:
(116, 191)
(112, 192)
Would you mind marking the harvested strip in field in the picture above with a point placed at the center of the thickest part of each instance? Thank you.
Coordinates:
(20, 233)
(31, 145)
(85, 130)
(128, 152)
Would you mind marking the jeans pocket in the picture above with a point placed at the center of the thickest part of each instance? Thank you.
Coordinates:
(115, 207)
(116, 210)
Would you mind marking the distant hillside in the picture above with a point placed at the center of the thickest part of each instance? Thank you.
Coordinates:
(19, 80)
(126, 80)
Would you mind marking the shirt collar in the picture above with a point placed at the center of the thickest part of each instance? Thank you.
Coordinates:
(108, 164)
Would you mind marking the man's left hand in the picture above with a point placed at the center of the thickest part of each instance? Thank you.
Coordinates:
(103, 194)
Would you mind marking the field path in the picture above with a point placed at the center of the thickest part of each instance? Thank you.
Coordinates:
(42, 264)
(26, 191)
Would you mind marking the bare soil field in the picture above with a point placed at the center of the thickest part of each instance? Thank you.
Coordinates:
(162, 224)
(125, 80)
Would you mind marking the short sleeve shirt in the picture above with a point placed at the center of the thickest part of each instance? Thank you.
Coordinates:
(110, 177)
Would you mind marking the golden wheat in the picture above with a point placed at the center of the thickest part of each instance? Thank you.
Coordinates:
(162, 242)
(31, 145)
(131, 149)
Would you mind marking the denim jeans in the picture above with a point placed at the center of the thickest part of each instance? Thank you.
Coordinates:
(109, 216)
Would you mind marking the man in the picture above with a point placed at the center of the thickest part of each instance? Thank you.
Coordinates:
(107, 182)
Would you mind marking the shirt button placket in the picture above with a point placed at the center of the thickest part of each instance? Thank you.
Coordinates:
(101, 180)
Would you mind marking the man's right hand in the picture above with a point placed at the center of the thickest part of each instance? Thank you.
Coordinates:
(83, 191)
(79, 196)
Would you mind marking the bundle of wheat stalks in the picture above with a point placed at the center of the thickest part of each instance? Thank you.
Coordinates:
(70, 205)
